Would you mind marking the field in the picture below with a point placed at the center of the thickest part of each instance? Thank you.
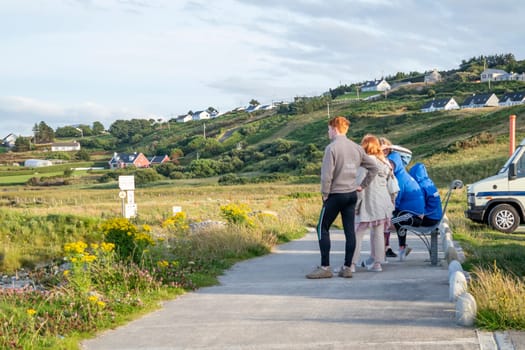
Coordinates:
(59, 226)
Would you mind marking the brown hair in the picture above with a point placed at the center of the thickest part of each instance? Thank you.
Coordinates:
(341, 124)
(371, 145)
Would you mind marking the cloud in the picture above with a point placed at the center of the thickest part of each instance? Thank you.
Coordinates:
(20, 114)
(134, 58)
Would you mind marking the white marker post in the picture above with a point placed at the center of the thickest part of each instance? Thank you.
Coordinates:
(126, 183)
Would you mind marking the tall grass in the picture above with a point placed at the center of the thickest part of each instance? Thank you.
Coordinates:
(129, 269)
(497, 266)
(500, 298)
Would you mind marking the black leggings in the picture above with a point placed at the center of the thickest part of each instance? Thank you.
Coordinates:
(343, 203)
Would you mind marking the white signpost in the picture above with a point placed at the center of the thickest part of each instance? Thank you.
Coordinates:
(126, 183)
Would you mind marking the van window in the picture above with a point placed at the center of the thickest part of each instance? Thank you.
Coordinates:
(517, 153)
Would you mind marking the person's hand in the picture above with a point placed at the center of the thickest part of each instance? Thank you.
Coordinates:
(359, 189)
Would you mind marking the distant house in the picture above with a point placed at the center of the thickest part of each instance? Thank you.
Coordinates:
(201, 115)
(267, 107)
(516, 76)
(123, 160)
(432, 77)
(184, 118)
(440, 105)
(159, 160)
(376, 85)
(481, 100)
(37, 163)
(65, 146)
(512, 99)
(9, 140)
(253, 108)
(493, 75)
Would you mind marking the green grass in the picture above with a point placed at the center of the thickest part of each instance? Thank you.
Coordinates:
(353, 95)
(37, 222)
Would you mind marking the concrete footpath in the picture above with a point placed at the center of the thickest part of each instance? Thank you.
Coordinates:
(267, 303)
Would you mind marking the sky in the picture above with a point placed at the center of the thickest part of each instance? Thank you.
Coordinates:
(68, 62)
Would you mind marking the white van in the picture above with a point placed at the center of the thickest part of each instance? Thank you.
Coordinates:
(499, 200)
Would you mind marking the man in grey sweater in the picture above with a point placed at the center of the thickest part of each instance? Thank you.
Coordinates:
(342, 158)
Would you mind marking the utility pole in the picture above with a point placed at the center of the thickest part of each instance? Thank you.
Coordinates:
(204, 129)
(328, 108)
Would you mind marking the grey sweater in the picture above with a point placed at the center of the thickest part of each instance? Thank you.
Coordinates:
(342, 158)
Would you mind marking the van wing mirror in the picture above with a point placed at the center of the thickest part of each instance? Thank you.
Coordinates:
(512, 171)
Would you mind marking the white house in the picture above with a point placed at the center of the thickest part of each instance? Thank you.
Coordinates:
(512, 99)
(201, 115)
(65, 146)
(253, 108)
(493, 75)
(36, 163)
(481, 100)
(516, 76)
(184, 118)
(500, 75)
(9, 140)
(376, 85)
(443, 104)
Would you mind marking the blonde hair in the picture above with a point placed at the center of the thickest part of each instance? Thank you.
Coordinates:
(371, 145)
(341, 124)
(386, 145)
(385, 142)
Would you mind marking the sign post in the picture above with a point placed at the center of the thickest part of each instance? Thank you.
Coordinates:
(126, 183)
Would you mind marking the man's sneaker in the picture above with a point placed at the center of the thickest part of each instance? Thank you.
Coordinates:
(375, 267)
(403, 252)
(320, 272)
(390, 253)
(345, 272)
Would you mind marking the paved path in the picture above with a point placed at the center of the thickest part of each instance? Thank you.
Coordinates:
(267, 303)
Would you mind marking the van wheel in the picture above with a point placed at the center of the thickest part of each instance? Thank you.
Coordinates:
(504, 218)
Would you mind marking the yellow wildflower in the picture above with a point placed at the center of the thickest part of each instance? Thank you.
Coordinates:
(31, 312)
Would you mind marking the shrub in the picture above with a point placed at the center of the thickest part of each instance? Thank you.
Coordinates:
(130, 241)
(231, 179)
(237, 214)
(177, 223)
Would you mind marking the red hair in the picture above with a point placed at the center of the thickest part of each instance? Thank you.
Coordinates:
(371, 145)
(341, 124)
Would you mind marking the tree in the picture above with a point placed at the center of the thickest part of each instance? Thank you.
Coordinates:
(43, 133)
(175, 154)
(82, 155)
(66, 131)
(98, 128)
(22, 144)
(254, 102)
(129, 130)
(86, 130)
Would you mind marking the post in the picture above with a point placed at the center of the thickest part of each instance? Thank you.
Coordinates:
(512, 136)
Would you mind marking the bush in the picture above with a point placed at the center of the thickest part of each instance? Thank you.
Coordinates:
(130, 241)
(237, 214)
(231, 179)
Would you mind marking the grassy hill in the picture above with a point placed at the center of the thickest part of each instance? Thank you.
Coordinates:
(467, 143)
